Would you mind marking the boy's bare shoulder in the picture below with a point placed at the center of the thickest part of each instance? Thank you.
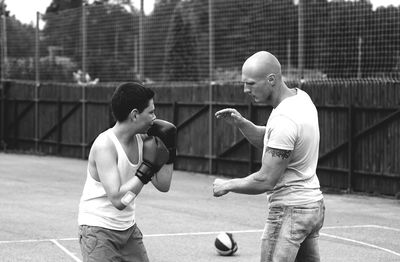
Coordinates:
(102, 142)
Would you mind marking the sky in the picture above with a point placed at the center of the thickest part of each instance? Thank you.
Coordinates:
(25, 10)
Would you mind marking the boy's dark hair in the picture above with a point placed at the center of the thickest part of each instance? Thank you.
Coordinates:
(129, 96)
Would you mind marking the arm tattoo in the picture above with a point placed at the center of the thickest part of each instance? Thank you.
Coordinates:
(284, 154)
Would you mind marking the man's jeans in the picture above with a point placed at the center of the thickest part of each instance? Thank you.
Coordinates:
(291, 233)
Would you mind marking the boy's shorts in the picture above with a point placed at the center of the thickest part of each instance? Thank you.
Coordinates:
(102, 244)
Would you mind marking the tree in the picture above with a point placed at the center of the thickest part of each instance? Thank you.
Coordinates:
(110, 51)
(155, 37)
(180, 54)
(3, 9)
(381, 57)
(109, 37)
(61, 5)
(20, 46)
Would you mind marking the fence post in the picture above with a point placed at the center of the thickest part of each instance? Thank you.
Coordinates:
(4, 69)
(16, 123)
(289, 57)
(84, 34)
(84, 69)
(175, 122)
(350, 147)
(36, 100)
(110, 117)
(211, 82)
(37, 83)
(3, 115)
(251, 149)
(5, 85)
(141, 40)
(175, 113)
(83, 141)
(210, 130)
(301, 37)
(59, 125)
(2, 94)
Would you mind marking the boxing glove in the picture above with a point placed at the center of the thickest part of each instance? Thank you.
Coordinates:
(155, 155)
(166, 131)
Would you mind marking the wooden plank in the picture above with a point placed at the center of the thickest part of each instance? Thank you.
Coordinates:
(376, 124)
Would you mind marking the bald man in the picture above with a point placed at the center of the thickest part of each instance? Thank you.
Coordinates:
(290, 142)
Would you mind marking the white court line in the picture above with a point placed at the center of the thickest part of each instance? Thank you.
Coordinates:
(261, 230)
(24, 241)
(361, 243)
(200, 233)
(55, 241)
(204, 233)
(66, 251)
(364, 226)
(151, 235)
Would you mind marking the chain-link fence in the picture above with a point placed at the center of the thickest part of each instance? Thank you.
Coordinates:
(203, 40)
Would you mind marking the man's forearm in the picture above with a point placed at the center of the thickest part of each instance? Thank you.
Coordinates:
(248, 185)
(253, 133)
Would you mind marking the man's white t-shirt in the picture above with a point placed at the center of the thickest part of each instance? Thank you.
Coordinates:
(293, 125)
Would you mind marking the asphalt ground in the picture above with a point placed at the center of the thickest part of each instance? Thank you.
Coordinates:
(39, 200)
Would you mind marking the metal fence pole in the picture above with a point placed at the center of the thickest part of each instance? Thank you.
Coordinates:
(37, 83)
(359, 72)
(84, 35)
(5, 56)
(84, 70)
(301, 37)
(136, 55)
(211, 83)
(289, 57)
(141, 39)
(3, 41)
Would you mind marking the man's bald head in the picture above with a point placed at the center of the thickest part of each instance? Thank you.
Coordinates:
(261, 64)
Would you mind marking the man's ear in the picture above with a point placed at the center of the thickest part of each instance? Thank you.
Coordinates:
(134, 114)
(271, 79)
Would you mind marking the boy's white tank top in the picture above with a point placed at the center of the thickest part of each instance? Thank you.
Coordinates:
(95, 209)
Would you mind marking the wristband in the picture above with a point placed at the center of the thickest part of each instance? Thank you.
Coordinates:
(145, 172)
(128, 198)
(172, 155)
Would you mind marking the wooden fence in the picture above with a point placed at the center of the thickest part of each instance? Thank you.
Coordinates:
(359, 125)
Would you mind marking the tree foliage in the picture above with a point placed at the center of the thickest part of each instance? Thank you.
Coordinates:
(180, 53)
(19, 39)
(338, 35)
